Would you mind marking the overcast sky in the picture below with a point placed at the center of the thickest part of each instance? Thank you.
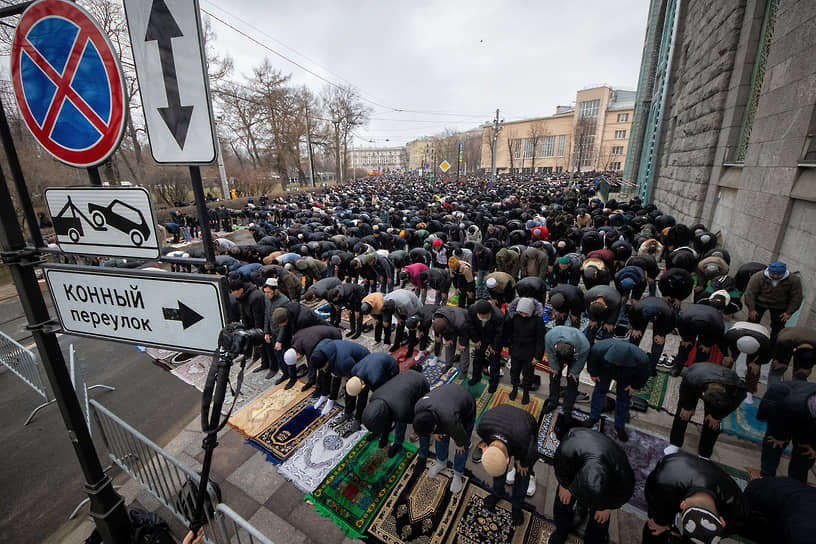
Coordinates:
(464, 58)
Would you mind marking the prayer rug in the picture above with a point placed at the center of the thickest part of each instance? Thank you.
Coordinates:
(672, 397)
(481, 394)
(655, 390)
(742, 422)
(418, 510)
(549, 431)
(282, 437)
(502, 396)
(541, 529)
(644, 450)
(318, 455)
(738, 475)
(194, 372)
(261, 412)
(356, 488)
(476, 524)
(435, 373)
(453, 300)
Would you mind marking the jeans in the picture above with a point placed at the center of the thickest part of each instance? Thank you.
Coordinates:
(599, 398)
(562, 513)
(519, 488)
(442, 446)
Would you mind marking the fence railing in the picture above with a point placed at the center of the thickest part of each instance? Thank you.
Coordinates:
(166, 478)
(25, 364)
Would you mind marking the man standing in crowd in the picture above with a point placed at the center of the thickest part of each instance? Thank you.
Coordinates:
(775, 290)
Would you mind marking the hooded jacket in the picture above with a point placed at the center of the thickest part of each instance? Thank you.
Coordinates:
(791, 337)
(252, 307)
(298, 317)
(490, 332)
(573, 298)
(594, 469)
(376, 302)
(508, 261)
(457, 319)
(626, 362)
(453, 408)
(351, 295)
(702, 318)
(341, 355)
(534, 262)
(375, 369)
(697, 377)
(654, 309)
(394, 401)
(679, 476)
(525, 335)
(634, 273)
(405, 301)
(514, 427)
(754, 330)
(321, 287)
(761, 293)
(573, 337)
(270, 305)
(305, 340)
(533, 287)
(676, 283)
(785, 408)
(414, 270)
(504, 281)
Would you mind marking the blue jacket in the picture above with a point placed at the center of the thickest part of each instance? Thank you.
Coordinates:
(375, 369)
(634, 273)
(341, 355)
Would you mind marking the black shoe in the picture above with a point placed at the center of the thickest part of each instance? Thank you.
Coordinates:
(260, 369)
(513, 393)
(353, 428)
(518, 517)
(581, 397)
(457, 358)
(474, 380)
(356, 335)
(492, 387)
(346, 417)
(291, 383)
(308, 385)
(677, 369)
(394, 449)
(270, 374)
(419, 467)
(409, 354)
(589, 423)
(393, 348)
(623, 436)
(491, 501)
(316, 393)
(377, 340)
(282, 379)
(525, 396)
(476, 456)
(351, 333)
(549, 407)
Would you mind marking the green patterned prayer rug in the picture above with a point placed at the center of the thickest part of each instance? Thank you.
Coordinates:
(481, 394)
(655, 390)
(418, 510)
(353, 492)
(475, 524)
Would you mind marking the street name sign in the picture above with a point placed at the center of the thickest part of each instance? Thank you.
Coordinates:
(68, 83)
(110, 221)
(183, 312)
(445, 166)
(165, 36)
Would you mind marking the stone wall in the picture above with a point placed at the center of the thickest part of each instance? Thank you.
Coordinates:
(704, 53)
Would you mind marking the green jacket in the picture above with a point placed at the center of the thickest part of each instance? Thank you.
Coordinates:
(786, 296)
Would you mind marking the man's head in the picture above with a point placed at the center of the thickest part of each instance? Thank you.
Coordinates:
(290, 357)
(491, 283)
(453, 264)
(483, 310)
(699, 521)
(280, 316)
(717, 400)
(423, 277)
(777, 270)
(271, 287)
(439, 325)
(495, 458)
(598, 305)
(237, 288)
(354, 386)
(424, 423)
(565, 353)
(747, 344)
(557, 300)
(804, 356)
(627, 284)
(318, 360)
(563, 262)
(525, 307)
(377, 417)
(365, 308)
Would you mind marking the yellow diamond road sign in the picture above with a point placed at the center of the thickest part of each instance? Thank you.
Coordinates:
(444, 166)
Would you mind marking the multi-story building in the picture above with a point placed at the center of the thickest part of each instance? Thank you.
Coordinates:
(378, 159)
(592, 135)
(725, 127)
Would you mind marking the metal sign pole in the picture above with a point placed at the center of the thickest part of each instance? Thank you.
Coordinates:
(203, 219)
(107, 506)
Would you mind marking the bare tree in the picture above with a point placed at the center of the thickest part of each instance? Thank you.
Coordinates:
(345, 111)
(535, 133)
(584, 141)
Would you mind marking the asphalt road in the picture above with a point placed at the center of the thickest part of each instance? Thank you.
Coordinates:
(40, 477)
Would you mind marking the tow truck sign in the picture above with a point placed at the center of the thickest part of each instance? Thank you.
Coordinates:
(114, 221)
(183, 312)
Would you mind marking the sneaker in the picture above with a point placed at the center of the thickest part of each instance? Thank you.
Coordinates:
(582, 397)
(491, 501)
(353, 428)
(419, 467)
(623, 436)
(435, 469)
(456, 484)
(670, 449)
(531, 487)
(510, 477)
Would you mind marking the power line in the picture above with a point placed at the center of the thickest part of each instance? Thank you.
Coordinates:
(328, 81)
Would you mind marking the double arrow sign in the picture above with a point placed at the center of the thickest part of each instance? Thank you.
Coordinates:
(165, 36)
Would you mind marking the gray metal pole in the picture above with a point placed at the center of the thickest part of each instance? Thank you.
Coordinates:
(495, 145)
(309, 148)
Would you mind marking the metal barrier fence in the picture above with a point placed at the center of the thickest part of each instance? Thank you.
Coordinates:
(166, 477)
(25, 364)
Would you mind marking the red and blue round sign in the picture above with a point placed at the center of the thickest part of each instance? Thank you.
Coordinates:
(68, 83)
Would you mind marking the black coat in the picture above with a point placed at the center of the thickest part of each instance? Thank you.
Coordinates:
(490, 332)
(525, 337)
(676, 283)
(594, 469)
(394, 401)
(696, 379)
(458, 323)
(573, 299)
(781, 511)
(253, 306)
(624, 362)
(298, 317)
(516, 428)
(680, 475)
(305, 340)
(453, 408)
(785, 408)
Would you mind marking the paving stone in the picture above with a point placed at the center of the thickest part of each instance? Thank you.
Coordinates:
(257, 477)
(276, 528)
(318, 528)
(232, 451)
(236, 499)
(285, 499)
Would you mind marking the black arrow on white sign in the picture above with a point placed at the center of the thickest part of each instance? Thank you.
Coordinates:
(183, 313)
(162, 27)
